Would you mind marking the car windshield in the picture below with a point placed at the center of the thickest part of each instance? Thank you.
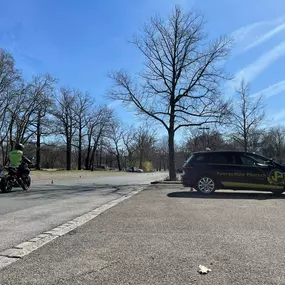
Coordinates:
(189, 159)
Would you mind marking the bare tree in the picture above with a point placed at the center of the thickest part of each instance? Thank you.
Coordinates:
(66, 122)
(197, 140)
(162, 150)
(115, 135)
(10, 78)
(179, 85)
(82, 107)
(247, 115)
(130, 143)
(98, 123)
(146, 139)
(41, 91)
(273, 144)
(8, 73)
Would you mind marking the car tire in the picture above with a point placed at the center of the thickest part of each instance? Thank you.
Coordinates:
(277, 192)
(205, 185)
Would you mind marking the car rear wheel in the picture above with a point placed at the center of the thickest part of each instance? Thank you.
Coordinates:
(277, 192)
(205, 185)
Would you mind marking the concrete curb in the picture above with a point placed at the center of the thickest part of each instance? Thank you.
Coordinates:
(15, 253)
(167, 182)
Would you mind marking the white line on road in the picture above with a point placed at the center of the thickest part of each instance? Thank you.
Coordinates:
(15, 253)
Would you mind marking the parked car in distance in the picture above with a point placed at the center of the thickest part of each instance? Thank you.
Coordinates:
(234, 170)
(134, 169)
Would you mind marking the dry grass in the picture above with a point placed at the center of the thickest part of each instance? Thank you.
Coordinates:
(71, 175)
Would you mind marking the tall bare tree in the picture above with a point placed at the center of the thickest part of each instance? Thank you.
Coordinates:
(146, 139)
(97, 126)
(130, 144)
(41, 92)
(179, 85)
(115, 135)
(82, 106)
(247, 115)
(10, 80)
(66, 120)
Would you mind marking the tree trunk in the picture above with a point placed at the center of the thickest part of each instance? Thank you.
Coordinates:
(68, 148)
(171, 155)
(101, 153)
(118, 160)
(245, 142)
(38, 151)
(79, 148)
(141, 159)
(87, 161)
(92, 159)
(3, 154)
(11, 134)
(68, 155)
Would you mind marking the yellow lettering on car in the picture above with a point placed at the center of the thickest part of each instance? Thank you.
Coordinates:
(255, 174)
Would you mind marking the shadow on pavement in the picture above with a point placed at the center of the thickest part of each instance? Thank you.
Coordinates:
(60, 191)
(226, 195)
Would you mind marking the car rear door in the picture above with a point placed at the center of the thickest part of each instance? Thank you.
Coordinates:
(223, 168)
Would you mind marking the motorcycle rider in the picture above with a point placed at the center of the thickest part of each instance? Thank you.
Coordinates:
(18, 160)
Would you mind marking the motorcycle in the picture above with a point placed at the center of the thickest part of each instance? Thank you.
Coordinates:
(12, 178)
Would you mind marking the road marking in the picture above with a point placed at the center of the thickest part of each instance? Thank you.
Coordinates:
(15, 253)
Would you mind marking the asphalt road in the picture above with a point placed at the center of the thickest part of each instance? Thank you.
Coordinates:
(44, 206)
(161, 236)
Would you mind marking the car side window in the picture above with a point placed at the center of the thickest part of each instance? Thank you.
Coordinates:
(246, 160)
(257, 158)
(219, 158)
(232, 159)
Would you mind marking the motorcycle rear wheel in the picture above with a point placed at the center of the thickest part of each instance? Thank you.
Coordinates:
(6, 185)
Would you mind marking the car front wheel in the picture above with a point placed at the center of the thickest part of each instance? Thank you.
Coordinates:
(205, 185)
(277, 192)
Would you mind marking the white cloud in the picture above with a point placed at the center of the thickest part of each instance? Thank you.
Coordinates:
(251, 71)
(256, 33)
(267, 36)
(272, 90)
(114, 104)
(241, 33)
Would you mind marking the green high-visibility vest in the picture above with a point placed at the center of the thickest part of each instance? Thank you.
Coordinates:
(15, 157)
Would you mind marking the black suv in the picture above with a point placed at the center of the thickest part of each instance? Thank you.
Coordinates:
(235, 170)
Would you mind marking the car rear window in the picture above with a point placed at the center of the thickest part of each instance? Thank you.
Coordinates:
(201, 158)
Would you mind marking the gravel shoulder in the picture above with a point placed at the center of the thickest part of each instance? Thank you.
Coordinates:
(161, 236)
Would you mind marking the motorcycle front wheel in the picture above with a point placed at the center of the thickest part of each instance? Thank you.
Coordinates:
(26, 183)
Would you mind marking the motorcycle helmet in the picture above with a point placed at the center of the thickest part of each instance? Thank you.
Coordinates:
(20, 147)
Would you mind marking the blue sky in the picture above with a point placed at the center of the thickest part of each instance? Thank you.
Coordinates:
(79, 42)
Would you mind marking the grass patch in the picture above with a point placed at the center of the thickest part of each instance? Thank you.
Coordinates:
(83, 173)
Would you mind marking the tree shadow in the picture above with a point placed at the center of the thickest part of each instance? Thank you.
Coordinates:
(226, 195)
(61, 191)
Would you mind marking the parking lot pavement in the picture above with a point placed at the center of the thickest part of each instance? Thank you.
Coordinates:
(161, 236)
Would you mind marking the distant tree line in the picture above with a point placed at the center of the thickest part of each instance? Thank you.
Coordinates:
(179, 89)
(64, 127)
